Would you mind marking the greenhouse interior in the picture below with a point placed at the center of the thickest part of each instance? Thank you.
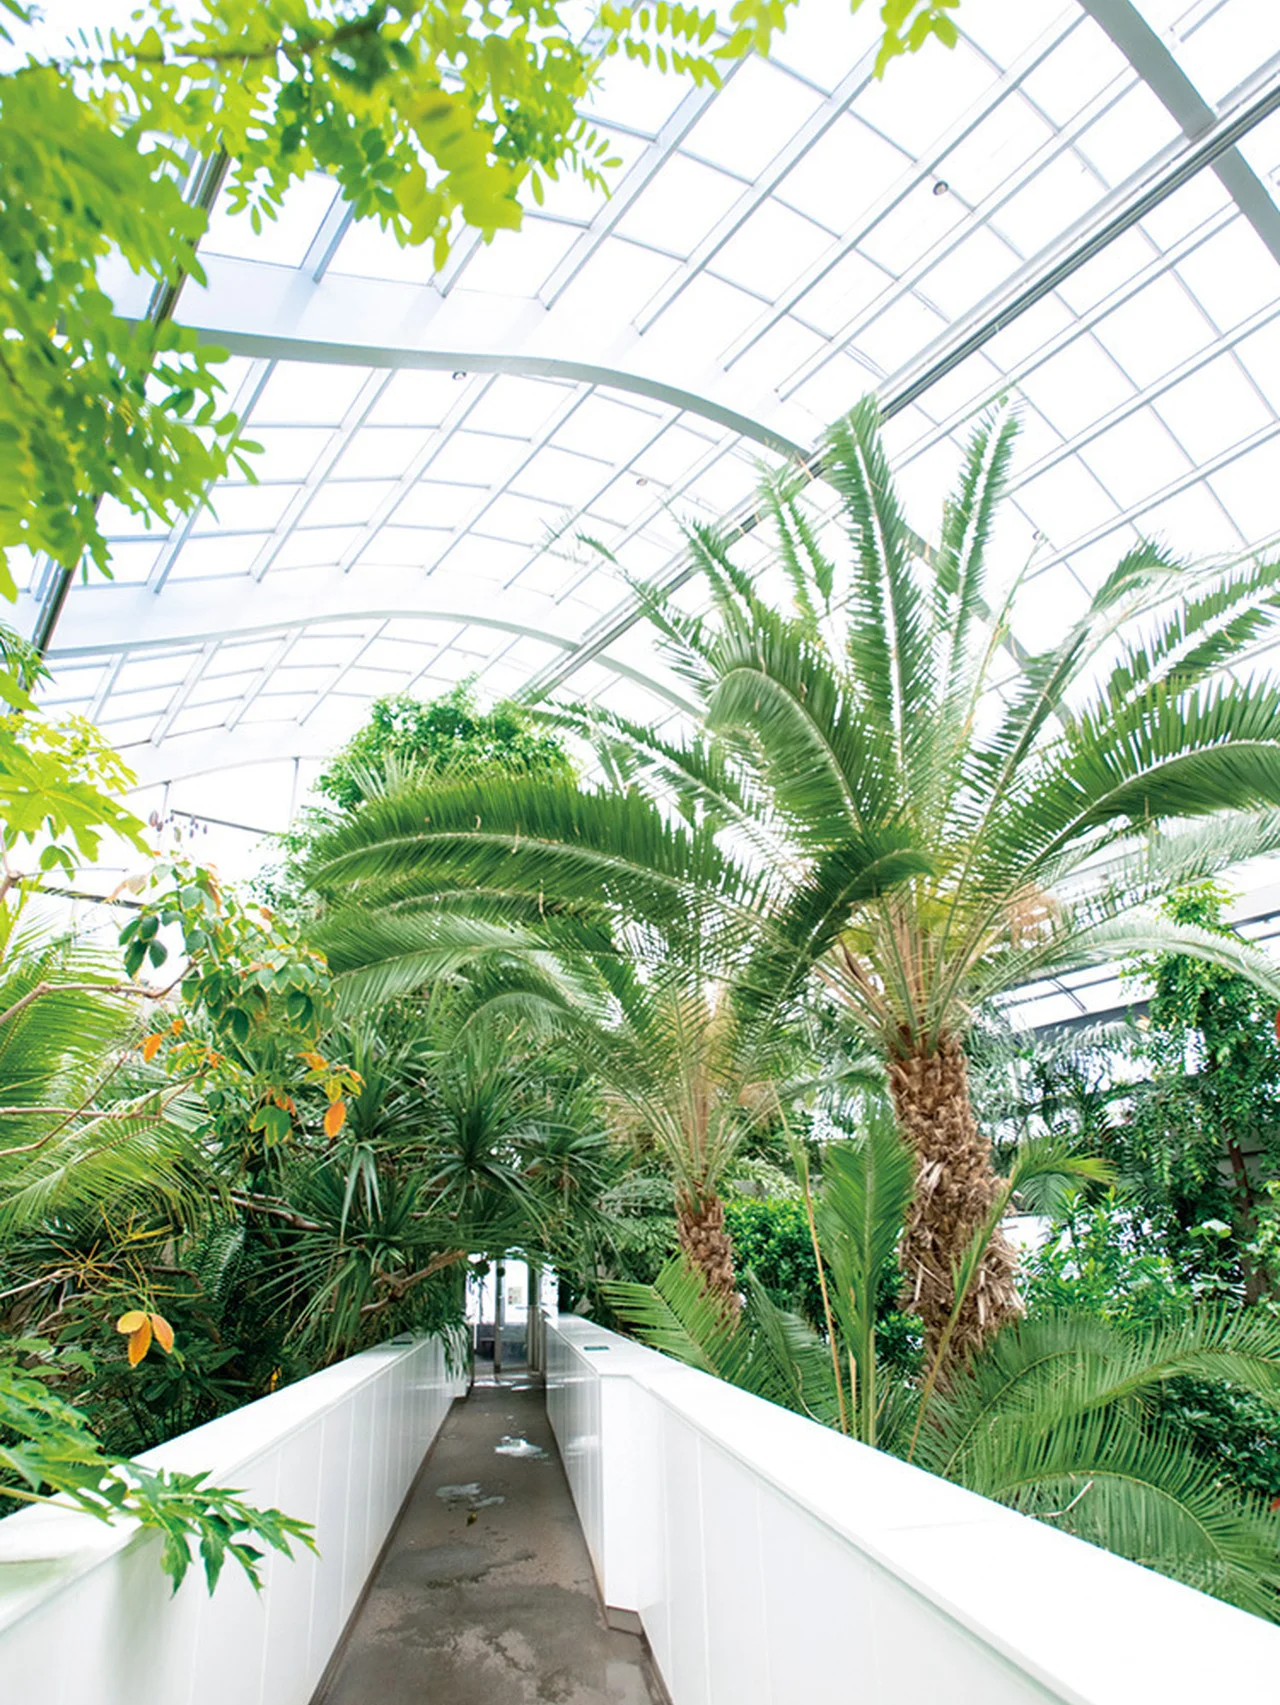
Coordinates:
(639, 852)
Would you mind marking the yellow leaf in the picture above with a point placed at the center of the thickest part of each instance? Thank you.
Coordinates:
(317, 1062)
(176, 1027)
(163, 1331)
(139, 1342)
(335, 1118)
(130, 1322)
(151, 1045)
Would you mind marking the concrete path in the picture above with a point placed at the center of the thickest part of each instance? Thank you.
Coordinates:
(486, 1595)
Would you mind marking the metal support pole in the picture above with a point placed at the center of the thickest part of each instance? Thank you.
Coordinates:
(498, 1282)
(533, 1318)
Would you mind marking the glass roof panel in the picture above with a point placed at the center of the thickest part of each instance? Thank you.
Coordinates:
(770, 251)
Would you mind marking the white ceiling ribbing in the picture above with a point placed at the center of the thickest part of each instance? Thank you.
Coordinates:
(771, 249)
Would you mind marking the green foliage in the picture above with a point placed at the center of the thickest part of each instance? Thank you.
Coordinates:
(841, 816)
(1084, 1424)
(91, 405)
(79, 1123)
(633, 1240)
(58, 780)
(408, 741)
(429, 117)
(763, 1350)
(445, 736)
(866, 1189)
(48, 1451)
(1056, 1420)
(1204, 1138)
(1104, 1258)
(771, 1239)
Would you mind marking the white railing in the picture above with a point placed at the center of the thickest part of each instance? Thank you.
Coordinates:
(772, 1562)
(87, 1618)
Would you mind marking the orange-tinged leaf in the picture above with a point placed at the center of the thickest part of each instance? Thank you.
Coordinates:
(130, 1322)
(151, 1045)
(176, 1028)
(163, 1331)
(139, 1342)
(335, 1118)
(317, 1062)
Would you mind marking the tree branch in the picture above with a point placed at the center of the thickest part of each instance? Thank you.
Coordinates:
(138, 990)
(256, 1205)
(396, 1288)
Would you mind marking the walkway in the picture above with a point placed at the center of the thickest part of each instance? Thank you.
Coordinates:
(486, 1595)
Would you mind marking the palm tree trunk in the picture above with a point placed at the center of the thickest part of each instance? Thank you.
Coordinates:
(955, 1189)
(705, 1242)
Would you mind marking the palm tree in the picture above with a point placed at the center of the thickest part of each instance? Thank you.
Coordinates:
(860, 802)
(685, 1067)
(690, 1070)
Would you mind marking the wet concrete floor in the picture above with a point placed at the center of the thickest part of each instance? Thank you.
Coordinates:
(485, 1595)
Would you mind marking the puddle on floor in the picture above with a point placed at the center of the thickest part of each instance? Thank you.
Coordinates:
(517, 1447)
(469, 1495)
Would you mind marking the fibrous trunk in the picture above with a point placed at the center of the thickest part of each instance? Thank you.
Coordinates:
(956, 1187)
(706, 1244)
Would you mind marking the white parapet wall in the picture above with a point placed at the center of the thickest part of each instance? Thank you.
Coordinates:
(772, 1562)
(88, 1618)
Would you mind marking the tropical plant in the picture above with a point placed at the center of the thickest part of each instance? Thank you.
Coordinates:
(692, 1073)
(48, 1454)
(1204, 1133)
(438, 737)
(83, 1122)
(1063, 1416)
(858, 805)
(406, 739)
(59, 780)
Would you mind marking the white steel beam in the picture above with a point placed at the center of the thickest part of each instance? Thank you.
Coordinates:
(233, 330)
(811, 132)
(1173, 168)
(1204, 471)
(920, 172)
(1175, 91)
(351, 423)
(632, 185)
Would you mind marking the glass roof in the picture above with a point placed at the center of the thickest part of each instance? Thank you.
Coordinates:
(1077, 207)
